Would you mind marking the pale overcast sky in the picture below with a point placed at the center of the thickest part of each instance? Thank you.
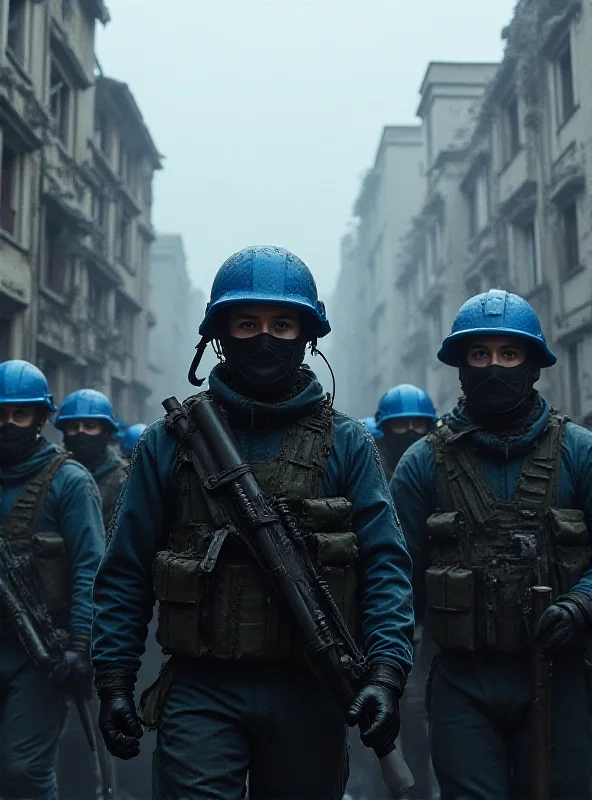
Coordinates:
(269, 111)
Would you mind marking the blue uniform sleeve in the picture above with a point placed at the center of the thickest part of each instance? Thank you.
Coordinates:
(384, 567)
(77, 506)
(123, 592)
(577, 449)
(414, 491)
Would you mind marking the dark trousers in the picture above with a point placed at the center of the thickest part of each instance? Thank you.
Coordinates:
(32, 714)
(480, 728)
(224, 721)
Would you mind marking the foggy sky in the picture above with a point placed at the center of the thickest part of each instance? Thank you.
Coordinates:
(269, 111)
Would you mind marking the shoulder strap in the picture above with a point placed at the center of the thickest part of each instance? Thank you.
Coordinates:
(23, 517)
(539, 479)
(462, 483)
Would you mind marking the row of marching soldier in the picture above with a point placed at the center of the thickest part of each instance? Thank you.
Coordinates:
(483, 505)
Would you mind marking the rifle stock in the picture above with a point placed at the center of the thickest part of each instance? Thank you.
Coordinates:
(220, 466)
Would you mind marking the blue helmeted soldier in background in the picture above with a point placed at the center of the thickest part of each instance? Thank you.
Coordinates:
(370, 423)
(50, 523)
(494, 501)
(237, 698)
(405, 415)
(88, 423)
(130, 437)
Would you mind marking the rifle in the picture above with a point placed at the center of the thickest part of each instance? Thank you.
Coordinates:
(541, 703)
(273, 539)
(43, 643)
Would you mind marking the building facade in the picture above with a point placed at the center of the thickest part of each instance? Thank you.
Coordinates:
(506, 203)
(74, 211)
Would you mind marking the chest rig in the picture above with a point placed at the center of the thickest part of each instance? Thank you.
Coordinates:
(45, 552)
(213, 597)
(485, 555)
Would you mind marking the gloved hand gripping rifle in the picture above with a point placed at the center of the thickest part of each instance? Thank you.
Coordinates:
(43, 643)
(273, 539)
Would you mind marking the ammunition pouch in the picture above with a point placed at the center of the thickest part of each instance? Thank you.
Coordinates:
(215, 601)
(52, 573)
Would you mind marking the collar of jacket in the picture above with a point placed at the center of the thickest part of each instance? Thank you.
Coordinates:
(20, 472)
(245, 411)
(111, 462)
(458, 421)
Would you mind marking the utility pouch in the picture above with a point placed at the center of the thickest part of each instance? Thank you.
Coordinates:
(153, 698)
(569, 535)
(443, 527)
(504, 624)
(181, 590)
(52, 572)
(330, 515)
(450, 594)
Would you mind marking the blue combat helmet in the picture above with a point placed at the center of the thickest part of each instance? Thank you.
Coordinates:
(370, 423)
(130, 437)
(86, 404)
(265, 275)
(405, 400)
(496, 312)
(22, 382)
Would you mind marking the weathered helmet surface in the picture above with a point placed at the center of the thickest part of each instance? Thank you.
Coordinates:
(22, 382)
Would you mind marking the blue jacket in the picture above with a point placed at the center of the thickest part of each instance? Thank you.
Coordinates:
(414, 484)
(73, 509)
(123, 591)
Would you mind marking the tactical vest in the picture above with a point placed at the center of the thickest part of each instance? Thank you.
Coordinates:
(45, 551)
(213, 598)
(110, 485)
(485, 555)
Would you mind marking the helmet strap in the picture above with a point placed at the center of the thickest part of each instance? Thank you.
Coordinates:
(200, 349)
(315, 351)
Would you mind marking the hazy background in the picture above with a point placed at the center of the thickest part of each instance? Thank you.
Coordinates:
(269, 111)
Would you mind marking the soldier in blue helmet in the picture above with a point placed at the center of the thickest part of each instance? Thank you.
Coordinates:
(50, 514)
(370, 423)
(405, 414)
(234, 703)
(88, 423)
(130, 437)
(496, 500)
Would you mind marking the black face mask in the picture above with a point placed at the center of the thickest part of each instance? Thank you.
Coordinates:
(16, 443)
(89, 450)
(498, 395)
(398, 443)
(263, 366)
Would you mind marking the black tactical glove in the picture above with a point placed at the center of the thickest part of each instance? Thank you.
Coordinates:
(118, 720)
(563, 622)
(378, 702)
(75, 670)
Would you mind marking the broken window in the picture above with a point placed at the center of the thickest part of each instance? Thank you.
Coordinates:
(571, 243)
(565, 84)
(511, 128)
(15, 37)
(8, 190)
(59, 104)
(57, 257)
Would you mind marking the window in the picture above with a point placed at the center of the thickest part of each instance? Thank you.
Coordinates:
(57, 258)
(101, 133)
(470, 194)
(524, 255)
(124, 230)
(573, 362)
(5, 338)
(15, 38)
(125, 164)
(124, 324)
(8, 190)
(99, 209)
(59, 104)
(511, 129)
(571, 243)
(97, 302)
(565, 85)
(477, 196)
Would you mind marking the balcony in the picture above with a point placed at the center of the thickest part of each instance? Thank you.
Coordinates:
(517, 175)
(20, 109)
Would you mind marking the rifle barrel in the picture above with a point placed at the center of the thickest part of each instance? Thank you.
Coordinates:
(541, 704)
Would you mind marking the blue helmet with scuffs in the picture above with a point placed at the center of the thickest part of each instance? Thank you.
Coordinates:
(405, 400)
(265, 275)
(86, 404)
(492, 313)
(370, 423)
(130, 437)
(22, 382)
